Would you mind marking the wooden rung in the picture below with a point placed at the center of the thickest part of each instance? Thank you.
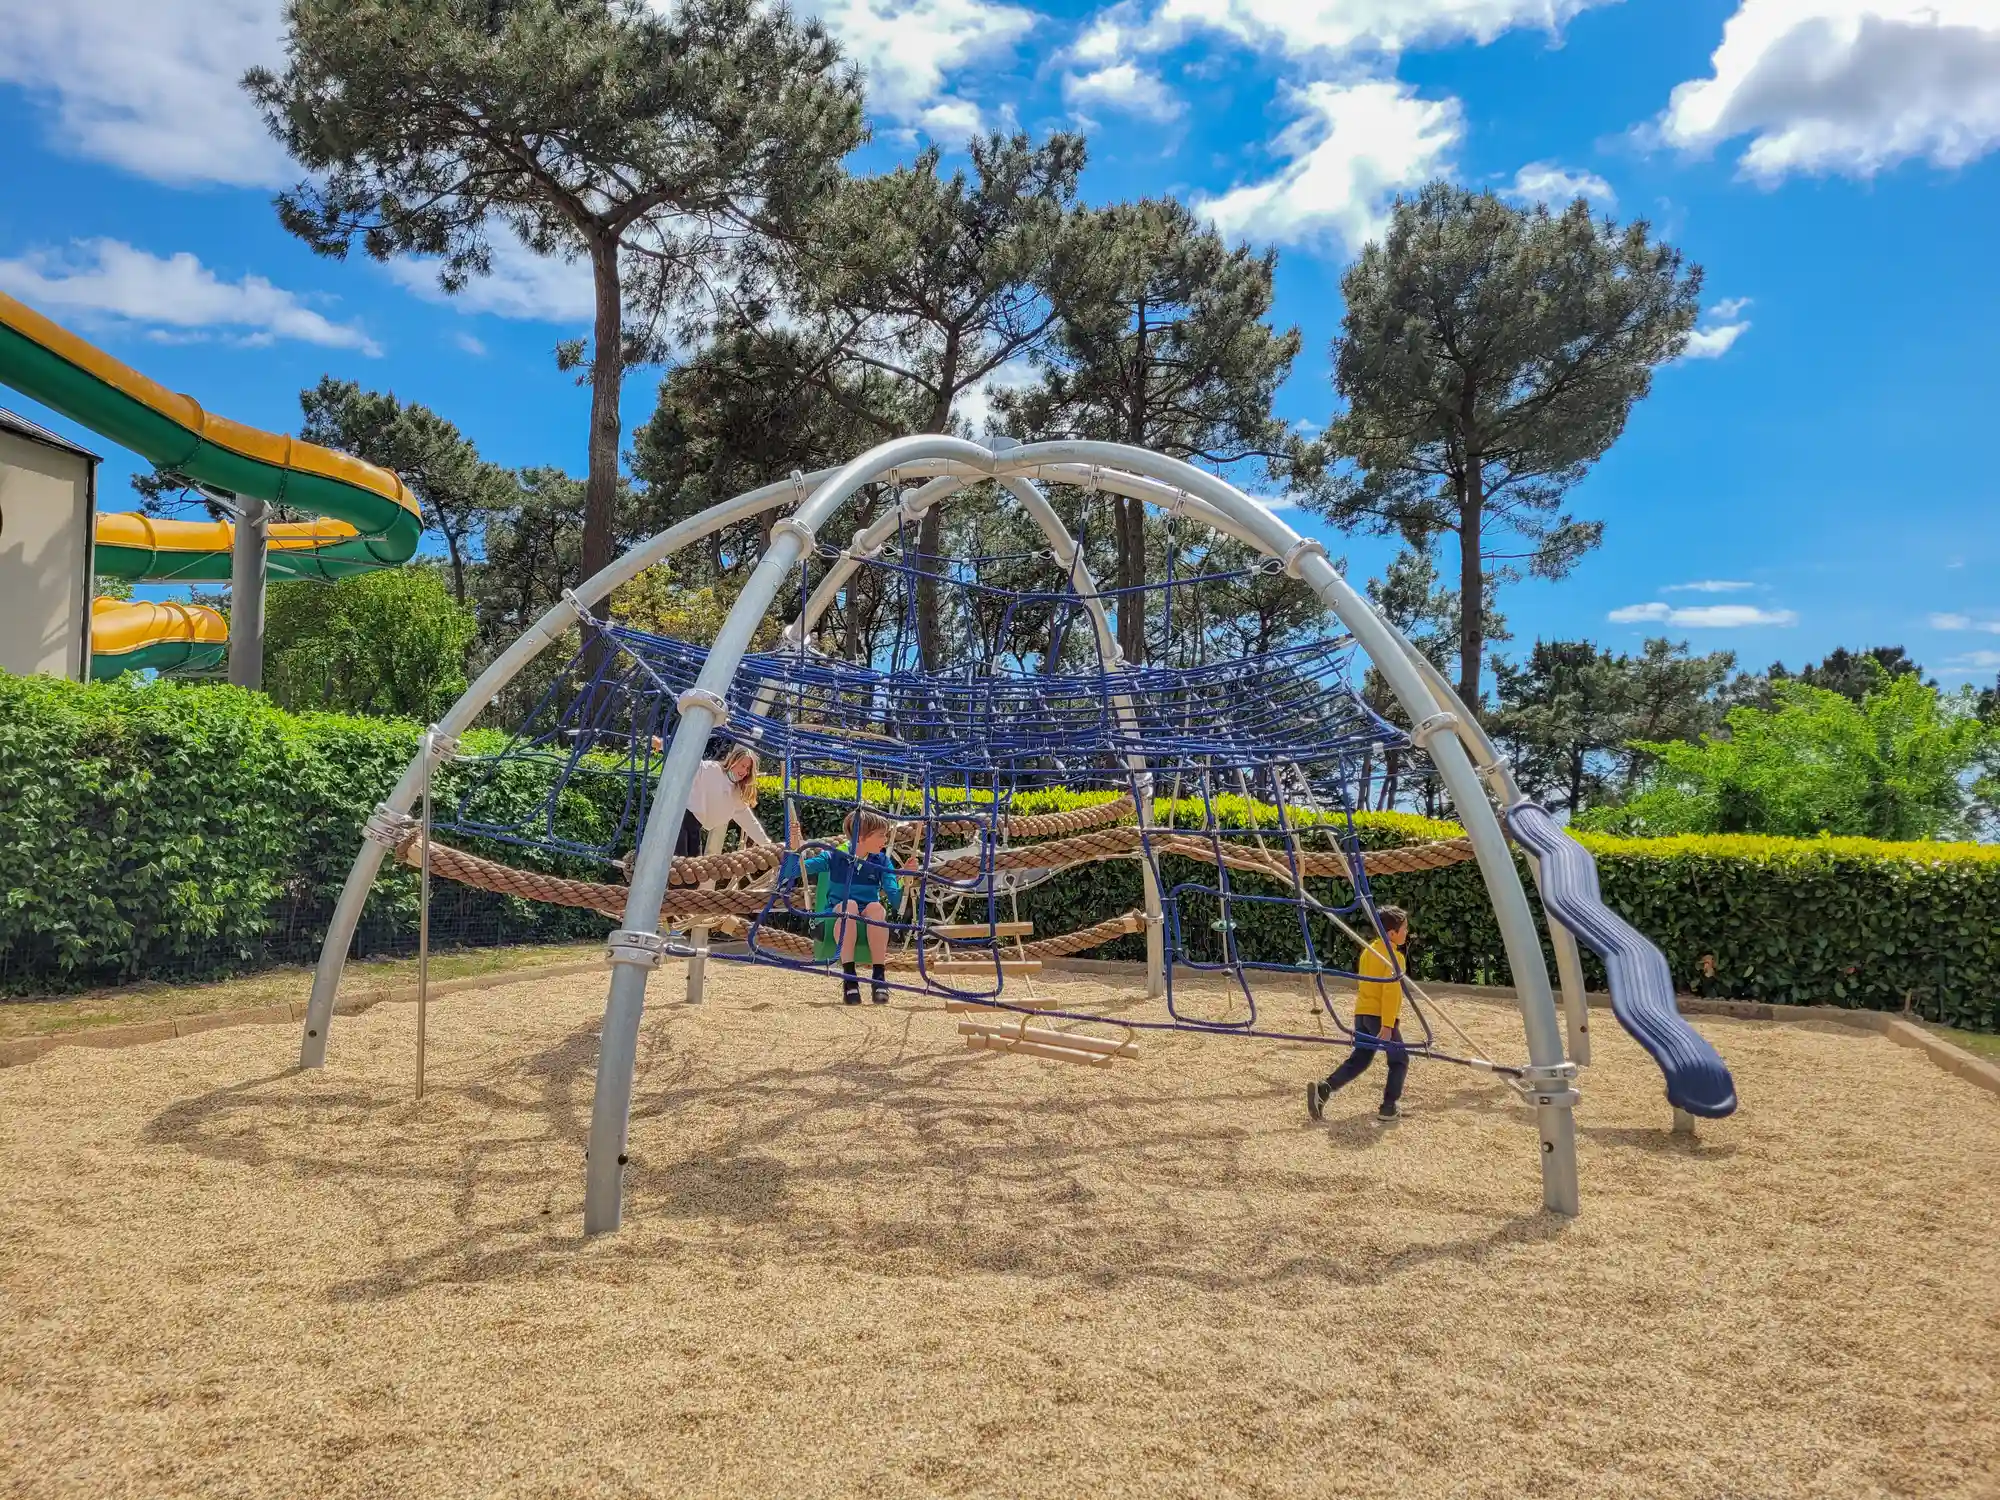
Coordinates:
(981, 929)
(1017, 1002)
(1128, 1047)
(1040, 1049)
(983, 966)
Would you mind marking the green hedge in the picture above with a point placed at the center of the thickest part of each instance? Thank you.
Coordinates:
(1848, 922)
(151, 830)
(162, 830)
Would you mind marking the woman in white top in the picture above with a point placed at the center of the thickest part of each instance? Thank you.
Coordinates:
(724, 792)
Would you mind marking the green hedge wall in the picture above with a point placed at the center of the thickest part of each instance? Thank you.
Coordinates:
(158, 830)
(162, 830)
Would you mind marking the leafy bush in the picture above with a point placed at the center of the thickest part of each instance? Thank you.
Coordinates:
(153, 829)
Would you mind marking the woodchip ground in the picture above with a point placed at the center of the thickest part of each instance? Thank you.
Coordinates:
(860, 1259)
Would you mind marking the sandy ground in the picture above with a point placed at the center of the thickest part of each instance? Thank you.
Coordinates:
(861, 1260)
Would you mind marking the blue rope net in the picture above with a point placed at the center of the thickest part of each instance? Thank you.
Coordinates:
(1250, 760)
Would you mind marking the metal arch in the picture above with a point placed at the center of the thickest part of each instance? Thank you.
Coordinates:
(1160, 481)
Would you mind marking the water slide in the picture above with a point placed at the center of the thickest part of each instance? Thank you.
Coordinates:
(1642, 986)
(365, 517)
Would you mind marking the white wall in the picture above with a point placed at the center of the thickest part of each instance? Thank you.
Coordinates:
(45, 583)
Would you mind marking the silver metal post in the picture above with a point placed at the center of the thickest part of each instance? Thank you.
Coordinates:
(246, 593)
(424, 909)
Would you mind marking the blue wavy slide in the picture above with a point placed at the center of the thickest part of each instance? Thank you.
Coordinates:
(1642, 987)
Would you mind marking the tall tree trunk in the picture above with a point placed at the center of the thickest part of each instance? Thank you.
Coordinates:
(930, 531)
(1575, 782)
(1471, 583)
(1131, 576)
(456, 550)
(607, 372)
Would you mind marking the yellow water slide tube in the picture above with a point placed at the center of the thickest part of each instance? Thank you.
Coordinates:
(365, 517)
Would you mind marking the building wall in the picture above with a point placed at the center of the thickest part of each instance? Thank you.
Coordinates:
(45, 538)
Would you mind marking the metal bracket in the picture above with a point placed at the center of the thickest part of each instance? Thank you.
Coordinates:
(443, 746)
(696, 697)
(388, 827)
(856, 552)
(798, 486)
(908, 504)
(1425, 729)
(551, 626)
(793, 526)
(1554, 1084)
(644, 949)
(1296, 554)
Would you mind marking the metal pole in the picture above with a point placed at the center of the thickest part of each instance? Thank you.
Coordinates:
(424, 912)
(698, 936)
(246, 593)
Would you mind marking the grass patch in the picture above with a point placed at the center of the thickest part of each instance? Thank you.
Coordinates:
(1984, 1044)
(30, 1015)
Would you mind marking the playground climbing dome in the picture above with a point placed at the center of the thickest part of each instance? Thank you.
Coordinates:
(1227, 779)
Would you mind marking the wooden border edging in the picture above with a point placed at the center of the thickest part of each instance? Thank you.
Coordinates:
(27, 1049)
(1905, 1033)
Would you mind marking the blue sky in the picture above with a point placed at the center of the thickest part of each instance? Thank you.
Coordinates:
(1833, 164)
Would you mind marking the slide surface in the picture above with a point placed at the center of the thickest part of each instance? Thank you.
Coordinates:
(369, 517)
(1642, 986)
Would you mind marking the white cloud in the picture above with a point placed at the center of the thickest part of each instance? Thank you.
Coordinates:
(1725, 325)
(1972, 661)
(1707, 586)
(1123, 87)
(522, 284)
(152, 88)
(908, 49)
(475, 347)
(1849, 86)
(1351, 149)
(175, 297)
(1299, 28)
(1964, 622)
(1545, 182)
(1701, 617)
(974, 407)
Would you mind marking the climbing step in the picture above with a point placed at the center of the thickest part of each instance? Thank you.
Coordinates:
(1040, 1049)
(1048, 1037)
(981, 929)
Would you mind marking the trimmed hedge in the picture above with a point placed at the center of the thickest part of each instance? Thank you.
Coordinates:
(158, 829)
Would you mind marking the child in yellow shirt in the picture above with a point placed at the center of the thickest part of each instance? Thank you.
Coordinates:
(1378, 1005)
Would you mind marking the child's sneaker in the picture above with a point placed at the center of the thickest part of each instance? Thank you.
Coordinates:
(1315, 1100)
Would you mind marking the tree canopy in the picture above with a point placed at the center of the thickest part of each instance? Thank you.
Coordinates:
(1488, 357)
(609, 131)
(1899, 764)
(1161, 341)
(392, 642)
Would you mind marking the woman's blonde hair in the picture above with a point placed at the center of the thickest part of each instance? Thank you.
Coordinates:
(736, 755)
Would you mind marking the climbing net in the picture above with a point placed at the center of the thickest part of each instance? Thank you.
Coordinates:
(1020, 774)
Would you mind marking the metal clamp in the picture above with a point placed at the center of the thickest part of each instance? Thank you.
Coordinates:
(645, 949)
(911, 504)
(1429, 727)
(387, 827)
(1176, 508)
(697, 697)
(857, 551)
(551, 626)
(443, 746)
(1300, 550)
(793, 526)
(798, 485)
(1553, 1084)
